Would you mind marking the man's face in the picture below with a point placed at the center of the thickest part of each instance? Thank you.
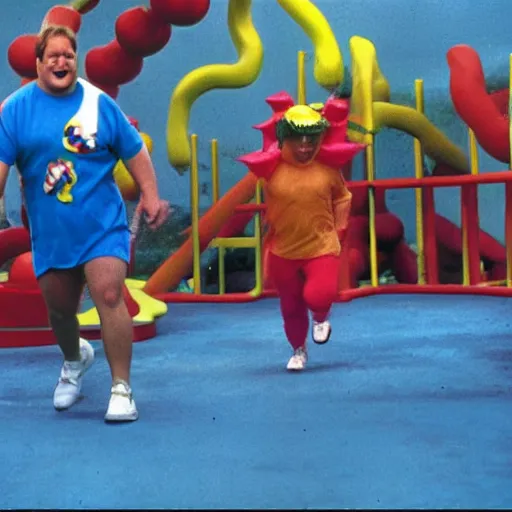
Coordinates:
(57, 69)
(304, 147)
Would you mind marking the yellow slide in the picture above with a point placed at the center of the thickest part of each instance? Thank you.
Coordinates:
(371, 110)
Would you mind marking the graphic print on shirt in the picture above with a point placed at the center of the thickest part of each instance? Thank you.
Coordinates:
(76, 140)
(60, 179)
(80, 132)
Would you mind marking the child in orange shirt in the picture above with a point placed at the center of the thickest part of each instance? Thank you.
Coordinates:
(308, 206)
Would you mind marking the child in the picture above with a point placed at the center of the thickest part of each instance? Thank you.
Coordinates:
(308, 206)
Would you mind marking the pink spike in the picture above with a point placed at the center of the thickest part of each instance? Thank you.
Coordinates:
(268, 130)
(261, 163)
(336, 133)
(337, 154)
(336, 110)
(280, 101)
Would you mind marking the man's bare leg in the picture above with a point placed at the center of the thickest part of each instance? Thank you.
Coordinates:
(105, 278)
(62, 290)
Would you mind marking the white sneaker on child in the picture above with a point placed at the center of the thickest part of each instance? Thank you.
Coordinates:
(299, 359)
(121, 406)
(69, 385)
(321, 332)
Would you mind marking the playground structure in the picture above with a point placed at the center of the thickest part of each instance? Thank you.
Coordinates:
(375, 238)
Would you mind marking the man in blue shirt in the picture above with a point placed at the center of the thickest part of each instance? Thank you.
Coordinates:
(65, 137)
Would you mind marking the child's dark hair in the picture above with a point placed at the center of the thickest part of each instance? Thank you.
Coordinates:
(286, 127)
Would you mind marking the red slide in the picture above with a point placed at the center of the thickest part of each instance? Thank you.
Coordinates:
(486, 114)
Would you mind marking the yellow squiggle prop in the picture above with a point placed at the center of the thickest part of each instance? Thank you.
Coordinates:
(368, 85)
(214, 76)
(372, 111)
(328, 69)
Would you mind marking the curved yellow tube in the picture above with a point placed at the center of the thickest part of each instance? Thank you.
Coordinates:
(371, 110)
(213, 76)
(328, 69)
(433, 141)
(368, 85)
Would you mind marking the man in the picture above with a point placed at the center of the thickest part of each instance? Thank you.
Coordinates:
(65, 136)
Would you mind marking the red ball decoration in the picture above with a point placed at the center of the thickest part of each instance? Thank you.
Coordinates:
(111, 90)
(22, 273)
(141, 32)
(21, 55)
(181, 12)
(25, 81)
(63, 15)
(111, 65)
(134, 122)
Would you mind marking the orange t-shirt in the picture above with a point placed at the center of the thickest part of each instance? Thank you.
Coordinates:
(306, 207)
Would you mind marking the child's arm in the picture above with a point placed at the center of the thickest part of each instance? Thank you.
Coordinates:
(342, 202)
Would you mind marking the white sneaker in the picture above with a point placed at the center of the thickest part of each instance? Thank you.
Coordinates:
(298, 361)
(68, 388)
(121, 406)
(321, 332)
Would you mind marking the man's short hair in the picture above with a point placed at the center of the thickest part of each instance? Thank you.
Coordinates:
(53, 31)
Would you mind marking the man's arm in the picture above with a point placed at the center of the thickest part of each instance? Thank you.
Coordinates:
(141, 168)
(4, 172)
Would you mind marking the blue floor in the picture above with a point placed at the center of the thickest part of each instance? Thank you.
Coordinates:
(408, 406)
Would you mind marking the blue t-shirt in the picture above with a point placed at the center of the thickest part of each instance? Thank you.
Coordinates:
(65, 149)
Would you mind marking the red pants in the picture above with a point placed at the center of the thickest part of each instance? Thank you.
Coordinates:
(301, 285)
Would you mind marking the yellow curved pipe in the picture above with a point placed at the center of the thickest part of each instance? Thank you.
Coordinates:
(371, 110)
(213, 76)
(433, 141)
(328, 68)
(368, 85)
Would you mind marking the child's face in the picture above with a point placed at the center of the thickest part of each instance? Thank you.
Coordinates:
(304, 147)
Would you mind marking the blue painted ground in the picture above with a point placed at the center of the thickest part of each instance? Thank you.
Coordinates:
(408, 406)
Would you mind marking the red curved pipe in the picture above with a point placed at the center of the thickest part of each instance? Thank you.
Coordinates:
(474, 105)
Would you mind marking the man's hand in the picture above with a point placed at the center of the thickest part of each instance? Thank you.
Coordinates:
(155, 211)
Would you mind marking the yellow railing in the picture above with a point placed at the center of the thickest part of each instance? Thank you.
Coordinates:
(418, 172)
(255, 241)
(221, 243)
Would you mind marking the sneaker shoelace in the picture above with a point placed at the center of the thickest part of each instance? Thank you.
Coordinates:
(70, 372)
(120, 389)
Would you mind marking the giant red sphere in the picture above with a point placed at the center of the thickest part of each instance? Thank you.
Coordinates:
(63, 15)
(22, 273)
(25, 81)
(181, 12)
(21, 55)
(140, 32)
(111, 90)
(111, 65)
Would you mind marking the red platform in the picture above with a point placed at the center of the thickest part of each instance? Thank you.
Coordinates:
(24, 320)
